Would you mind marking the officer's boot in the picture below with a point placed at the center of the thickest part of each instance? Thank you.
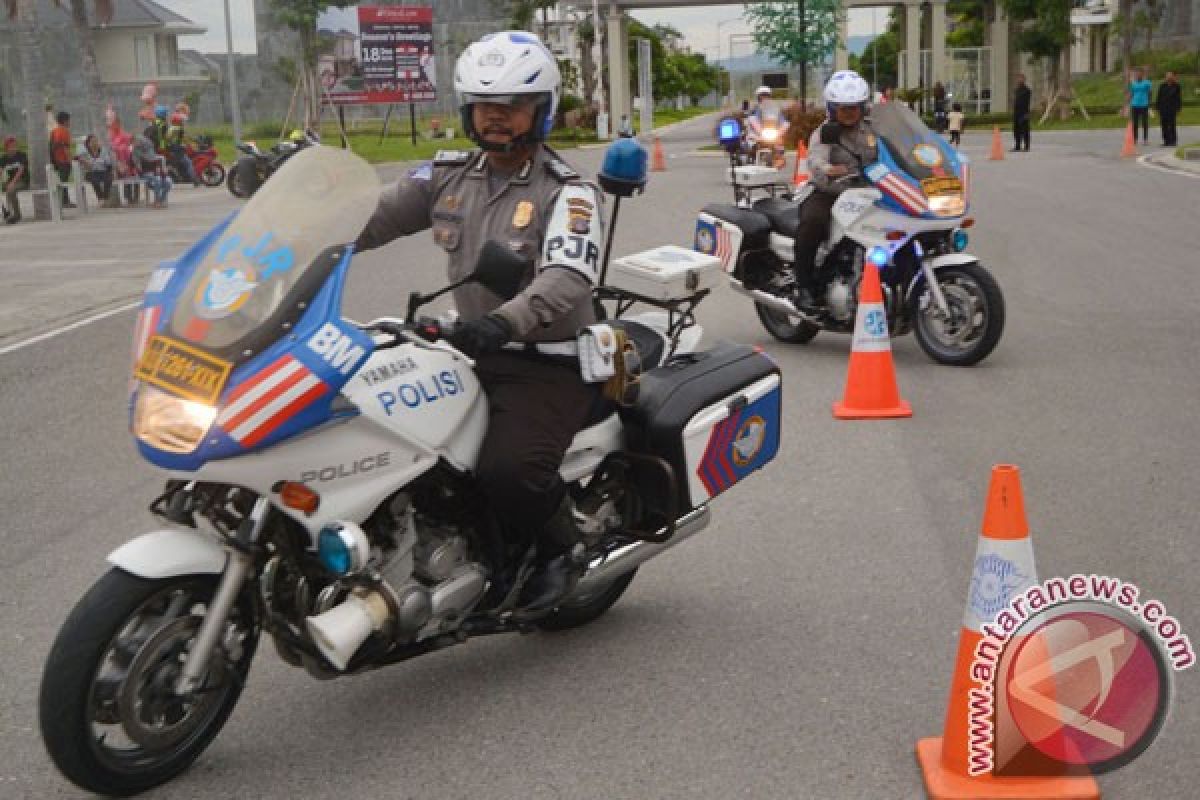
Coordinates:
(802, 269)
(559, 562)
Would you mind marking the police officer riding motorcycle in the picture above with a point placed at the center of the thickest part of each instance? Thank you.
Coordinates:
(837, 153)
(514, 190)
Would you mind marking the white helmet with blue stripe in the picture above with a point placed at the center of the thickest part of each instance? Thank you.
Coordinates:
(846, 88)
(508, 67)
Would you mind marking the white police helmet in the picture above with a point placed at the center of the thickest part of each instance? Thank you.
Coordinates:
(846, 88)
(760, 91)
(508, 67)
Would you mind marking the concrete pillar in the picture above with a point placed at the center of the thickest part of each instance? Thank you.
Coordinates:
(619, 102)
(937, 42)
(1000, 65)
(912, 45)
(841, 58)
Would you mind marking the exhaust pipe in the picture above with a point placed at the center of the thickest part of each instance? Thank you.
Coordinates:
(771, 301)
(607, 568)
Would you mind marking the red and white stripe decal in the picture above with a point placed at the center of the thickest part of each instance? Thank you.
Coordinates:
(724, 245)
(260, 405)
(143, 329)
(904, 193)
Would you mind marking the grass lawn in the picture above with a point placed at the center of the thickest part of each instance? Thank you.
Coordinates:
(664, 117)
(1179, 153)
(1189, 116)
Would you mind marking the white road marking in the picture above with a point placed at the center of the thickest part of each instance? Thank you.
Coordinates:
(1148, 161)
(41, 337)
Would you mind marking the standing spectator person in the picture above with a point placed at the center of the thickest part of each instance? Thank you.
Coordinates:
(955, 121)
(939, 107)
(122, 148)
(60, 153)
(1022, 100)
(97, 165)
(153, 169)
(1139, 104)
(14, 175)
(1169, 103)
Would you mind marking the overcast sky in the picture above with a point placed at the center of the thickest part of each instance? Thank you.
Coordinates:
(698, 25)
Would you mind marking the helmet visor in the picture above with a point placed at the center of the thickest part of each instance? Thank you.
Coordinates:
(515, 100)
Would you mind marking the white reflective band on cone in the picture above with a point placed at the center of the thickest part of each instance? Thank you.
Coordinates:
(870, 329)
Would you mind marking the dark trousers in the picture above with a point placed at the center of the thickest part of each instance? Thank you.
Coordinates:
(536, 408)
(64, 176)
(1141, 115)
(1169, 133)
(956, 138)
(812, 230)
(1021, 132)
(101, 180)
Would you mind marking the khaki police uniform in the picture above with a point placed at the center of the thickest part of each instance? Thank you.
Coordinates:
(537, 400)
(857, 147)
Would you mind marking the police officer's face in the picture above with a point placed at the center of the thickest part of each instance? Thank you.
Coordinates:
(849, 116)
(500, 123)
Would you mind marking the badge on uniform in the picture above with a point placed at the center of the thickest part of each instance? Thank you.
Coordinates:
(523, 215)
(870, 140)
(579, 212)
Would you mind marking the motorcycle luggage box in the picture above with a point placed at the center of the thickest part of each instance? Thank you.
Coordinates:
(755, 227)
(714, 416)
(753, 176)
(666, 273)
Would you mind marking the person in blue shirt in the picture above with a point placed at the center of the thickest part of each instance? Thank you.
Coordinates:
(1139, 103)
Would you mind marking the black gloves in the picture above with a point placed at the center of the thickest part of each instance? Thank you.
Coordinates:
(485, 335)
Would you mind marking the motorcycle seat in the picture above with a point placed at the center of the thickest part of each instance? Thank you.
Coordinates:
(784, 215)
(754, 226)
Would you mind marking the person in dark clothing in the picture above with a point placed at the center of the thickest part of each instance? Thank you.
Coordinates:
(14, 175)
(1169, 103)
(1022, 99)
(939, 107)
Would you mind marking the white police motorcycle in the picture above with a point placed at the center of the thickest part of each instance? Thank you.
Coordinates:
(319, 477)
(906, 213)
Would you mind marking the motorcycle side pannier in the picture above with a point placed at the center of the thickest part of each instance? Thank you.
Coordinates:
(713, 416)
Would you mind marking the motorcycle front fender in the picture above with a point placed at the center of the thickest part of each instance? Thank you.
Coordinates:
(169, 552)
(932, 264)
(951, 260)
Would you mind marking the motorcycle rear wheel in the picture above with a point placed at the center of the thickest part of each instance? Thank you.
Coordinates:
(976, 318)
(588, 608)
(780, 326)
(109, 715)
(214, 174)
(231, 182)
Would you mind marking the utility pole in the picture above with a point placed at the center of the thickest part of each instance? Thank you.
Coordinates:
(233, 92)
(803, 58)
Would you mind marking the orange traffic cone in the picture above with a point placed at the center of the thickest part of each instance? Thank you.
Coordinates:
(1130, 148)
(871, 391)
(997, 153)
(1004, 568)
(658, 161)
(800, 173)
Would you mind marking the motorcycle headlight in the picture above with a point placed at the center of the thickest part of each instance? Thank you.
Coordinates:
(770, 134)
(951, 204)
(170, 423)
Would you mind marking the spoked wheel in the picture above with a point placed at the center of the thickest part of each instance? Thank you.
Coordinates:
(972, 329)
(585, 609)
(110, 716)
(214, 174)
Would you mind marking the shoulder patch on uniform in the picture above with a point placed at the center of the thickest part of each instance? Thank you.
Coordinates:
(561, 170)
(451, 158)
(424, 172)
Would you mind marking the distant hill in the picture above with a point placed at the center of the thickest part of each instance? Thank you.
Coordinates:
(857, 44)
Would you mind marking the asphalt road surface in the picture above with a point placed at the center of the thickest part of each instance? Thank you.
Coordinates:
(798, 647)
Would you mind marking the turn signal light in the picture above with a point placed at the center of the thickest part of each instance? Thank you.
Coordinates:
(895, 236)
(966, 223)
(298, 496)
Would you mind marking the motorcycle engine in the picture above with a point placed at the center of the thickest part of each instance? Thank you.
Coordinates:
(840, 298)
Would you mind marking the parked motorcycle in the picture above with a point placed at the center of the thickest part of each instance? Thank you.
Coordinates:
(906, 213)
(331, 464)
(254, 167)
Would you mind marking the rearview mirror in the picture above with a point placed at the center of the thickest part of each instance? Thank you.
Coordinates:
(830, 132)
(500, 270)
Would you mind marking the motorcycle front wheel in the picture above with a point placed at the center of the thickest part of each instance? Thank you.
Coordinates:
(214, 174)
(110, 717)
(972, 329)
(231, 182)
(781, 326)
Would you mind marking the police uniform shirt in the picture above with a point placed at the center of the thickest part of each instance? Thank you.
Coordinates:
(543, 212)
(857, 141)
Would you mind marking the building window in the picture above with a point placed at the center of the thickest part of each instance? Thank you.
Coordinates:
(168, 54)
(143, 57)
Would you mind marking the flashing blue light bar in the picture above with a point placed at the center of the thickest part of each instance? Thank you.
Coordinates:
(879, 257)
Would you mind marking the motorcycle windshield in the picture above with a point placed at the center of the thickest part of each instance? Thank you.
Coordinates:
(266, 265)
(916, 150)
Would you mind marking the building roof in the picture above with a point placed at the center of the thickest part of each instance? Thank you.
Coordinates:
(149, 14)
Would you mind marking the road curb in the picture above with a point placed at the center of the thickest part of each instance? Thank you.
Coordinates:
(1169, 162)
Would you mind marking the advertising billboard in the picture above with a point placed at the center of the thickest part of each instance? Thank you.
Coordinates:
(376, 54)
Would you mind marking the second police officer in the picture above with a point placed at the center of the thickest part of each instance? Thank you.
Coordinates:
(516, 191)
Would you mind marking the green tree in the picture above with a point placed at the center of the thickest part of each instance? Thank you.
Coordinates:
(967, 16)
(879, 62)
(301, 16)
(796, 33)
(1045, 32)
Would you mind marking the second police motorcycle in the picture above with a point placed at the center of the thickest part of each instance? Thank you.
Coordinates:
(319, 484)
(906, 213)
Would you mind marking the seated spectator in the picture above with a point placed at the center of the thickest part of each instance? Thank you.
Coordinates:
(97, 165)
(152, 168)
(177, 152)
(122, 146)
(14, 175)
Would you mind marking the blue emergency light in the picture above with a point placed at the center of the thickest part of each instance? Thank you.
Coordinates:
(729, 133)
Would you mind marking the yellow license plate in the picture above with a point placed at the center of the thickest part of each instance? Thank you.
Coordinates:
(183, 369)
(935, 186)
